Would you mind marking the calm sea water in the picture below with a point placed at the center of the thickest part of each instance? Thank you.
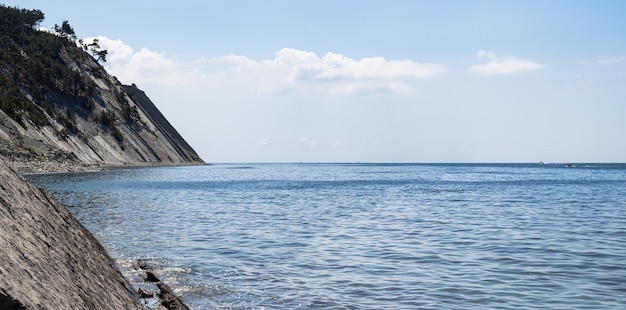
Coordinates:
(366, 236)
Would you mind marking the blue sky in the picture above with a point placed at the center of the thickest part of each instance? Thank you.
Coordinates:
(373, 81)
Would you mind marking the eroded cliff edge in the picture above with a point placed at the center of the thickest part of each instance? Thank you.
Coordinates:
(48, 259)
(59, 108)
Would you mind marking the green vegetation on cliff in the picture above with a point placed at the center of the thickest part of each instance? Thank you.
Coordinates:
(56, 98)
(32, 67)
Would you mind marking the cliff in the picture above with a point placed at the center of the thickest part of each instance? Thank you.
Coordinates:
(48, 259)
(175, 141)
(59, 111)
(59, 108)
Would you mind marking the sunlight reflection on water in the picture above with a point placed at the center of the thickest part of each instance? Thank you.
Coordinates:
(306, 236)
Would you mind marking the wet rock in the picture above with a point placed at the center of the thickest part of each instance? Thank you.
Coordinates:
(166, 295)
(170, 300)
(144, 294)
(151, 277)
(142, 264)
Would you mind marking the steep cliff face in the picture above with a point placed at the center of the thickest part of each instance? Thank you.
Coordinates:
(58, 104)
(170, 137)
(60, 110)
(48, 259)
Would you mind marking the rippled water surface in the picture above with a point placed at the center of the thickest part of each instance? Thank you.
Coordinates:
(366, 236)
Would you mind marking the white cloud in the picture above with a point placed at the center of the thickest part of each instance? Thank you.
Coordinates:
(265, 141)
(297, 70)
(290, 70)
(504, 65)
(144, 66)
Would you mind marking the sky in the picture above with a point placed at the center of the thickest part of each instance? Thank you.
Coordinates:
(372, 81)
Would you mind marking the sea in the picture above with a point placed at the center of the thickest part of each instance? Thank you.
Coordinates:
(364, 236)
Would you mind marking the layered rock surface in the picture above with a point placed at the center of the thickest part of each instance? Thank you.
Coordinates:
(61, 111)
(126, 129)
(59, 105)
(48, 260)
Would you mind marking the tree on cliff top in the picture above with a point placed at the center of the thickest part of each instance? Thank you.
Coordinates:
(65, 30)
(32, 69)
(11, 17)
(94, 47)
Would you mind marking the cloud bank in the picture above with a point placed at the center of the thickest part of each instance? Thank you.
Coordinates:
(291, 70)
(144, 66)
(504, 65)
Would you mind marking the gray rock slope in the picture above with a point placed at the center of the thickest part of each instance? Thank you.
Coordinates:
(124, 127)
(48, 260)
(170, 137)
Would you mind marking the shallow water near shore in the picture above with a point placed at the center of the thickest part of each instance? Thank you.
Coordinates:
(365, 236)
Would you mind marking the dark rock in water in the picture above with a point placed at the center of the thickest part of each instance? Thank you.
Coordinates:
(168, 299)
(167, 296)
(144, 294)
(151, 277)
(142, 264)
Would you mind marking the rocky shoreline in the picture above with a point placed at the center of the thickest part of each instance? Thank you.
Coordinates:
(166, 295)
(50, 166)
(51, 261)
(76, 118)
(43, 164)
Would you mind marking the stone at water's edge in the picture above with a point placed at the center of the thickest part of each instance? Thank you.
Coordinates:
(48, 260)
(168, 299)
